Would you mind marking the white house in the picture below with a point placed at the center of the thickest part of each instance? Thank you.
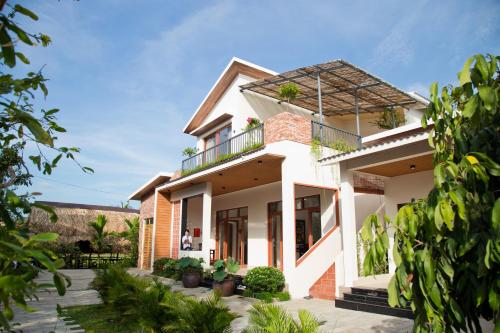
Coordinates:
(290, 190)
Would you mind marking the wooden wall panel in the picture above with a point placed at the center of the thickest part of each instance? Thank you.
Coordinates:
(146, 248)
(163, 225)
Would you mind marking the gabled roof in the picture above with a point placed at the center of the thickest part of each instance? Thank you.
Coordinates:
(159, 179)
(236, 66)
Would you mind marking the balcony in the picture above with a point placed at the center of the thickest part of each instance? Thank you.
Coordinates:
(335, 138)
(236, 146)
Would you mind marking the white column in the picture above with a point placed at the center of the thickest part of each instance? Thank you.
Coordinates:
(207, 220)
(288, 214)
(348, 226)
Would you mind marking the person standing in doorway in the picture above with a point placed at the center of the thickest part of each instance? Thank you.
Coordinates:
(187, 241)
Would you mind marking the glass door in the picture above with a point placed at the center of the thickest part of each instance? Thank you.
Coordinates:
(275, 235)
(231, 234)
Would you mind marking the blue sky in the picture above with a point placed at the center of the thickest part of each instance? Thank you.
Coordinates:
(127, 75)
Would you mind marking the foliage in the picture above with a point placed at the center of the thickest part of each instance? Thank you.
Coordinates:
(99, 238)
(189, 265)
(132, 235)
(156, 308)
(381, 267)
(268, 279)
(27, 136)
(316, 148)
(288, 91)
(189, 151)
(447, 246)
(209, 315)
(342, 146)
(166, 267)
(282, 296)
(224, 269)
(272, 318)
(390, 118)
(252, 123)
(99, 318)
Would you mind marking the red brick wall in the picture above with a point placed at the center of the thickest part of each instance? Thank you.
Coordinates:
(324, 288)
(176, 229)
(287, 126)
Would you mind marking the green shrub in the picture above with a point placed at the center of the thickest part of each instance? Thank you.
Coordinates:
(166, 267)
(282, 296)
(247, 293)
(268, 279)
(208, 315)
(264, 296)
(273, 318)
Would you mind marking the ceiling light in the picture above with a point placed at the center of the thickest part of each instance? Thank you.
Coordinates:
(412, 167)
(256, 179)
(259, 161)
(223, 187)
(220, 174)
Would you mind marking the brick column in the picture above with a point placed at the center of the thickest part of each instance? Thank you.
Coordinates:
(287, 126)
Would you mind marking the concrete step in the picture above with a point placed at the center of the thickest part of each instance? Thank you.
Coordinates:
(374, 308)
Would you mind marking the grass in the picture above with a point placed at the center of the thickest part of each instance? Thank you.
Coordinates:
(98, 319)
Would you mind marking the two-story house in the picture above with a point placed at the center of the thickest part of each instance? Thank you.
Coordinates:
(287, 183)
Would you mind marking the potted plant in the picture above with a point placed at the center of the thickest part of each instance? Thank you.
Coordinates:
(191, 271)
(288, 92)
(223, 276)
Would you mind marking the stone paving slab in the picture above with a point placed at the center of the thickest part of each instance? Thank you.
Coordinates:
(45, 319)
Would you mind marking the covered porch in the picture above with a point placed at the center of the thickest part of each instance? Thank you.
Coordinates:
(401, 172)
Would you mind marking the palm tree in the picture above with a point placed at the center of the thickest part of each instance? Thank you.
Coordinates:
(132, 235)
(99, 235)
(267, 318)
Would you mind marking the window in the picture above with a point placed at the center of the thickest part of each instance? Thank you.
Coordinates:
(149, 221)
(307, 223)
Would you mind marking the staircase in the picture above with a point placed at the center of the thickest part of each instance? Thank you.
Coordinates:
(374, 300)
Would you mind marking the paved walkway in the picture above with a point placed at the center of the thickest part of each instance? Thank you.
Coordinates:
(45, 319)
(337, 320)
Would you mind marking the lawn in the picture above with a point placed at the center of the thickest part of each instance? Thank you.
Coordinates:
(98, 319)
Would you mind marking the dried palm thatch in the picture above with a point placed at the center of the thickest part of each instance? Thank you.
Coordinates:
(73, 220)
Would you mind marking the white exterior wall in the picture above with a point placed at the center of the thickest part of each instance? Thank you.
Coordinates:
(301, 167)
(256, 199)
(403, 189)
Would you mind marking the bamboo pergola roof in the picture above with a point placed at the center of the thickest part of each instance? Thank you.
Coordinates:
(343, 85)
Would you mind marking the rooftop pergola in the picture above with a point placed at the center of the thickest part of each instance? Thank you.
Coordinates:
(334, 88)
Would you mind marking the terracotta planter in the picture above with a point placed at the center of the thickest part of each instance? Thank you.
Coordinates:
(225, 288)
(191, 279)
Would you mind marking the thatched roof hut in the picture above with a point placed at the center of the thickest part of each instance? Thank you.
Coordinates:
(73, 220)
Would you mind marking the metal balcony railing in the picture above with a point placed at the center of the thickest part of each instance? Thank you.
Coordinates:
(235, 146)
(335, 138)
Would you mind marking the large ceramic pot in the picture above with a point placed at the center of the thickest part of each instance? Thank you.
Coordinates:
(191, 279)
(225, 288)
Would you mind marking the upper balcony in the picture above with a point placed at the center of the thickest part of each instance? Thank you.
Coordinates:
(236, 146)
(281, 127)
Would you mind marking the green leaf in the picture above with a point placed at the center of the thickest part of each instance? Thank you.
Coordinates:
(23, 58)
(447, 214)
(471, 107)
(488, 97)
(8, 52)
(430, 276)
(464, 75)
(35, 127)
(23, 10)
(219, 276)
(393, 292)
(495, 215)
(44, 237)
(494, 299)
(59, 283)
(439, 175)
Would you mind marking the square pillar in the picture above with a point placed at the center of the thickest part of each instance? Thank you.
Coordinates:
(348, 226)
(288, 215)
(207, 223)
